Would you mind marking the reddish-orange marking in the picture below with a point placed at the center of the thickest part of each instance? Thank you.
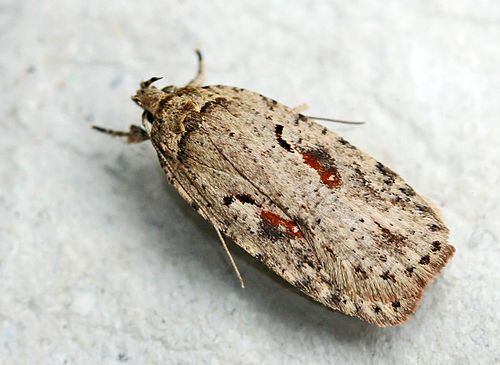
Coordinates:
(329, 176)
(291, 228)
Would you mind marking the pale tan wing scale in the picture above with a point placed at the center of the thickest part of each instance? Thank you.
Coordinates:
(325, 216)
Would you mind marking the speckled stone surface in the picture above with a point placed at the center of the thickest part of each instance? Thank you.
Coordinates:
(101, 262)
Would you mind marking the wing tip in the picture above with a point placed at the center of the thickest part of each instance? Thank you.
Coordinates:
(413, 303)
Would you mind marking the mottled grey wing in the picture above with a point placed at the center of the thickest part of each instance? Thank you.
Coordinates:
(323, 215)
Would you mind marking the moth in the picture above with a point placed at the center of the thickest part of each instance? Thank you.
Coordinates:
(326, 217)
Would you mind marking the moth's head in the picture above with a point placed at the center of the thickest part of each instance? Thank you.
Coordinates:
(149, 98)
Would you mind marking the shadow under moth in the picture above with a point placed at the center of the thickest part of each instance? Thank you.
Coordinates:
(329, 219)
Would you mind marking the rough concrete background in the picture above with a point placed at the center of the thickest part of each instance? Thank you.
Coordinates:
(101, 262)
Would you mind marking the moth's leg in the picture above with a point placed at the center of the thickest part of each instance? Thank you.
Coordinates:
(147, 83)
(230, 257)
(185, 194)
(300, 108)
(134, 135)
(169, 89)
(200, 75)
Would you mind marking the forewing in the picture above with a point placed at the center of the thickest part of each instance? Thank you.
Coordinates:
(328, 218)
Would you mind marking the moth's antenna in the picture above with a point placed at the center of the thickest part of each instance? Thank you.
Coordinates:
(200, 75)
(336, 120)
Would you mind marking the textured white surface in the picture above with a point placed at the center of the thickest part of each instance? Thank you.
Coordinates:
(102, 262)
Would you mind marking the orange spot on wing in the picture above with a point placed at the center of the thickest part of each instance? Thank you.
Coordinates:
(290, 227)
(329, 175)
